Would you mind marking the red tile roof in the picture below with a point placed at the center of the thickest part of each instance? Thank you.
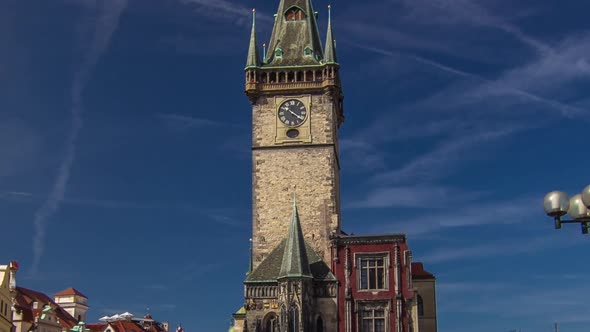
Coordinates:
(69, 292)
(125, 326)
(98, 327)
(26, 297)
(418, 272)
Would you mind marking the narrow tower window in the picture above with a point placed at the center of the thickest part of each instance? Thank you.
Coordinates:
(278, 52)
(294, 14)
(293, 319)
(420, 306)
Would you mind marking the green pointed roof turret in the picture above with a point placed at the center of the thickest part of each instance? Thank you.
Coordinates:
(295, 262)
(330, 53)
(253, 55)
(295, 39)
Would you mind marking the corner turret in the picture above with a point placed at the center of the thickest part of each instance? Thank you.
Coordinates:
(330, 53)
(295, 263)
(253, 60)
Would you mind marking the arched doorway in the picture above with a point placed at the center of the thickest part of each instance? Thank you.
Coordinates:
(271, 323)
(319, 325)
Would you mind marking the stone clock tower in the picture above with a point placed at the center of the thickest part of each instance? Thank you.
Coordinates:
(296, 101)
(305, 274)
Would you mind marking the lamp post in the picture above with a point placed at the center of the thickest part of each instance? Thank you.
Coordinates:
(557, 204)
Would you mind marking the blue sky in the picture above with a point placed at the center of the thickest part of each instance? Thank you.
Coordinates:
(125, 163)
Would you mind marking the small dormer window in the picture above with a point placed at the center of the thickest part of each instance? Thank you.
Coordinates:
(294, 14)
(308, 51)
(278, 52)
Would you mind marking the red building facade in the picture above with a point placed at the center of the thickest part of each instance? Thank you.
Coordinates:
(375, 290)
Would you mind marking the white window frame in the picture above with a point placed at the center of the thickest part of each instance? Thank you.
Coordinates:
(386, 267)
(362, 305)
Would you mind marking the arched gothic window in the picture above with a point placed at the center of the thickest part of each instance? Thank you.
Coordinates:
(293, 319)
(420, 306)
(294, 14)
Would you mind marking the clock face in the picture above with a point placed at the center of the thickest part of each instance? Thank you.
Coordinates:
(292, 113)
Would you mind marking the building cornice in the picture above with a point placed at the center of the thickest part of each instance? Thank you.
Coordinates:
(370, 239)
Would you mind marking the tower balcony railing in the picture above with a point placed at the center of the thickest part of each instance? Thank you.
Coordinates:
(262, 291)
(258, 80)
(285, 86)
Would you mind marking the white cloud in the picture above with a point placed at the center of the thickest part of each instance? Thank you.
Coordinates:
(183, 123)
(461, 213)
(460, 12)
(105, 25)
(438, 162)
(472, 111)
(420, 196)
(510, 247)
(546, 303)
(226, 10)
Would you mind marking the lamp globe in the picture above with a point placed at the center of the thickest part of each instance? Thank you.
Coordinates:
(556, 204)
(577, 209)
(586, 196)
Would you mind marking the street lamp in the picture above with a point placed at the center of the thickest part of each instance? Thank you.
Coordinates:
(557, 204)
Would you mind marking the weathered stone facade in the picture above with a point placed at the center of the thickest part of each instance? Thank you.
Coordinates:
(292, 287)
(308, 166)
(302, 277)
(311, 172)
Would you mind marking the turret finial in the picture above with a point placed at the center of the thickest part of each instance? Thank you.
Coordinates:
(253, 57)
(330, 49)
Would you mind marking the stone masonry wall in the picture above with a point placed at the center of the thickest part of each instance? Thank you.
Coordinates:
(310, 171)
(321, 114)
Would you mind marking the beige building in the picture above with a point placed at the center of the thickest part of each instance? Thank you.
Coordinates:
(36, 311)
(7, 285)
(74, 302)
(424, 284)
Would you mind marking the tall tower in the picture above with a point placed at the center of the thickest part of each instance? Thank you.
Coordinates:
(296, 101)
(74, 302)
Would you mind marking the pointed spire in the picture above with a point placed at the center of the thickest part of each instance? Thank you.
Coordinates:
(330, 53)
(253, 56)
(295, 263)
(295, 39)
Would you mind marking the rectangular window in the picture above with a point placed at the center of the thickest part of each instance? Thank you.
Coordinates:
(373, 320)
(373, 272)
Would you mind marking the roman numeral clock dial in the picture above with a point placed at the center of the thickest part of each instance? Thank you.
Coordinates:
(292, 113)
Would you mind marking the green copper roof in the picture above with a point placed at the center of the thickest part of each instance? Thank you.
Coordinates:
(269, 269)
(330, 53)
(293, 36)
(295, 263)
(292, 258)
(253, 56)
